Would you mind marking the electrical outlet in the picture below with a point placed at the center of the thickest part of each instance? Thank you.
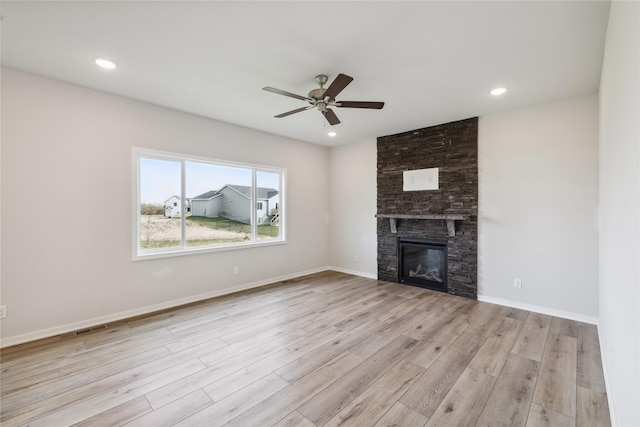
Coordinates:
(236, 269)
(517, 283)
(356, 258)
(3, 311)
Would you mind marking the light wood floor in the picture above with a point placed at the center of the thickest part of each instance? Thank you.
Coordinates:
(327, 349)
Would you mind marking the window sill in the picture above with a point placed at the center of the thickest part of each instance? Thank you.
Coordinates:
(205, 250)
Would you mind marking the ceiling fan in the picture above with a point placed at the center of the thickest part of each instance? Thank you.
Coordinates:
(322, 98)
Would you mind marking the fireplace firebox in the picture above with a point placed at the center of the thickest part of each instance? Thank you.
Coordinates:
(423, 263)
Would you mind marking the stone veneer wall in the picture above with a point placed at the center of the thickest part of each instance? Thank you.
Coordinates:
(453, 148)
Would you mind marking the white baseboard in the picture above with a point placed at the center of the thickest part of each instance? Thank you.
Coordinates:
(540, 309)
(354, 272)
(115, 317)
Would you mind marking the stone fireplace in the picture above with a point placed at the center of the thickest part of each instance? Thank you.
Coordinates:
(445, 214)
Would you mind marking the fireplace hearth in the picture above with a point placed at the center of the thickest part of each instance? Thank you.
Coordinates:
(423, 263)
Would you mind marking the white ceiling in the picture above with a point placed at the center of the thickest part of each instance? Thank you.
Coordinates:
(430, 62)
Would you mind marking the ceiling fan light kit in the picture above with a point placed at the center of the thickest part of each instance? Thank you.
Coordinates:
(322, 98)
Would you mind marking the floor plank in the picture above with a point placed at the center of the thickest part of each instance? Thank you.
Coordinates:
(592, 408)
(387, 333)
(119, 415)
(175, 411)
(494, 352)
(401, 415)
(230, 407)
(463, 404)
(295, 419)
(223, 387)
(510, 400)
(556, 387)
(541, 417)
(433, 342)
(530, 342)
(589, 362)
(428, 391)
(371, 405)
(310, 362)
(565, 327)
(94, 405)
(274, 408)
(333, 399)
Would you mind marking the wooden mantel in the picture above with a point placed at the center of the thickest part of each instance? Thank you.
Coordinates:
(450, 218)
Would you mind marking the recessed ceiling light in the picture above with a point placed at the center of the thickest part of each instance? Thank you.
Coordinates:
(105, 63)
(498, 91)
(332, 134)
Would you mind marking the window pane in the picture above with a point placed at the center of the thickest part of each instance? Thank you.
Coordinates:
(268, 205)
(220, 204)
(160, 209)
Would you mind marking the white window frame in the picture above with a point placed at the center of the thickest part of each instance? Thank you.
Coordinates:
(138, 254)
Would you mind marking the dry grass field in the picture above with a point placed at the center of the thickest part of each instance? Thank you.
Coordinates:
(157, 231)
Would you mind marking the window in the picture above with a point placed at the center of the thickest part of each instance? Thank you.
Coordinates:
(186, 204)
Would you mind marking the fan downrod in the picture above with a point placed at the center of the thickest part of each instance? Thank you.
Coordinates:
(321, 79)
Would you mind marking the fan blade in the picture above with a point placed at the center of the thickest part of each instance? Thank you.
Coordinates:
(285, 93)
(288, 113)
(337, 86)
(331, 117)
(360, 104)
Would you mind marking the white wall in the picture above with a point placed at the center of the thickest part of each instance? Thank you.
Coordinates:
(353, 207)
(64, 142)
(619, 326)
(538, 196)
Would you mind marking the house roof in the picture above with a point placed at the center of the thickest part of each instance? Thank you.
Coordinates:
(206, 196)
(264, 193)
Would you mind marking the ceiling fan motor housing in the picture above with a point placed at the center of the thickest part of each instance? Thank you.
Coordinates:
(317, 94)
